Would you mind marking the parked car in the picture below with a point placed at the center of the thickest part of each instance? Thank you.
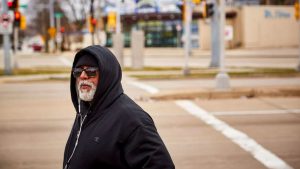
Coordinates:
(36, 47)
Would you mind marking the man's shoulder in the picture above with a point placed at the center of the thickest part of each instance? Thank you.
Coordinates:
(130, 111)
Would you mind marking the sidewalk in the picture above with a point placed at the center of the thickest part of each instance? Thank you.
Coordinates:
(200, 87)
(257, 52)
(240, 52)
(205, 88)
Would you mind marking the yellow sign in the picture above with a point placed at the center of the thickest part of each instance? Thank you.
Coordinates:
(297, 10)
(52, 32)
(111, 20)
(23, 23)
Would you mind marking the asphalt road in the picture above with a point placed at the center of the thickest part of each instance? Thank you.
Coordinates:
(36, 117)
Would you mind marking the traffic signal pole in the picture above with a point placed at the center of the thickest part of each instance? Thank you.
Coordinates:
(118, 44)
(222, 78)
(298, 67)
(51, 12)
(91, 20)
(58, 34)
(215, 39)
(16, 44)
(6, 44)
(187, 33)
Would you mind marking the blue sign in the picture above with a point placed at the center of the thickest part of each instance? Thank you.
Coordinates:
(277, 14)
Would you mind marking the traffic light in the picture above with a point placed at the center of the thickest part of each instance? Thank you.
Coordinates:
(182, 8)
(297, 10)
(13, 4)
(92, 23)
(196, 2)
(62, 29)
(208, 9)
(17, 18)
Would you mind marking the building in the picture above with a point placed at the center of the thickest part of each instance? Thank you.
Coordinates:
(251, 25)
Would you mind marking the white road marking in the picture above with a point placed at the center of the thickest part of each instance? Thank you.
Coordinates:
(263, 155)
(143, 86)
(65, 61)
(256, 112)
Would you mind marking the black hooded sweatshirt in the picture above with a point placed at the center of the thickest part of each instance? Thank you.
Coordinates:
(115, 132)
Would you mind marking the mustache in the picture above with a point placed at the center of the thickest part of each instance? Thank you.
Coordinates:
(85, 82)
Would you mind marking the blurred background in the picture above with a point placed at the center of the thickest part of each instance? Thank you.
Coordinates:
(220, 78)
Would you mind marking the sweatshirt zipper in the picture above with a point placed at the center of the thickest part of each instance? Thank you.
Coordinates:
(82, 119)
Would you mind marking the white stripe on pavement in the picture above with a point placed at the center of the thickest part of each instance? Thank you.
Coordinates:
(266, 157)
(143, 86)
(256, 112)
(65, 61)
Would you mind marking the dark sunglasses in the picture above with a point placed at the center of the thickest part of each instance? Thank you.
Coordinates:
(90, 71)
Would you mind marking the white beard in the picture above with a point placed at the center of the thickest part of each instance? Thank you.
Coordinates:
(84, 94)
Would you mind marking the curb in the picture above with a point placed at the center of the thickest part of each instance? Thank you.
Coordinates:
(227, 94)
(30, 78)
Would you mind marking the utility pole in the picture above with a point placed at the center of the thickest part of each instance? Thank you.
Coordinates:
(58, 32)
(118, 17)
(187, 32)
(118, 43)
(298, 68)
(222, 78)
(6, 43)
(16, 44)
(215, 38)
(16, 38)
(52, 28)
(92, 20)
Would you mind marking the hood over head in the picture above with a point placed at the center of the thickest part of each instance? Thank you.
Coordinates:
(110, 75)
(87, 60)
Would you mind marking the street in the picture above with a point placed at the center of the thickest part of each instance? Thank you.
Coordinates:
(220, 79)
(36, 117)
(245, 132)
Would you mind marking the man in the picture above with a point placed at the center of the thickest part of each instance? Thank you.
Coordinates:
(110, 130)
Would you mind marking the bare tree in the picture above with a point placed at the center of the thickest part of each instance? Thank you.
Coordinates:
(77, 11)
(39, 19)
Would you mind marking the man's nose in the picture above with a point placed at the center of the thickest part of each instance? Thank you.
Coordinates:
(83, 75)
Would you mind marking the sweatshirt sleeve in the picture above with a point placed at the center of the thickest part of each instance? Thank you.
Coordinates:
(144, 149)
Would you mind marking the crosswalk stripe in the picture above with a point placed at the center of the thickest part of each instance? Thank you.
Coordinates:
(263, 155)
(255, 112)
(144, 86)
(65, 61)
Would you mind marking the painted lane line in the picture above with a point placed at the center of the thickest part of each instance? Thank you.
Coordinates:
(260, 153)
(256, 112)
(65, 61)
(263, 155)
(143, 86)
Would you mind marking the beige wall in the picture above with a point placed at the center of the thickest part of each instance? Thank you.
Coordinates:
(258, 27)
(269, 26)
(205, 35)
